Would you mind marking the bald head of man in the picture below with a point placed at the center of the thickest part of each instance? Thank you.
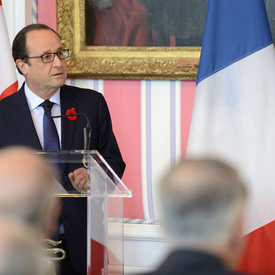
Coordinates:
(203, 207)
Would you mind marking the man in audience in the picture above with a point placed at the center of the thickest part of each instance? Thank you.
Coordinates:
(27, 188)
(203, 204)
(28, 211)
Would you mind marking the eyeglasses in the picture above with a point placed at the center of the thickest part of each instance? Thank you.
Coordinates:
(49, 57)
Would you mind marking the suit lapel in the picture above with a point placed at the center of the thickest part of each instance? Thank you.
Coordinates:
(21, 116)
(22, 119)
(67, 126)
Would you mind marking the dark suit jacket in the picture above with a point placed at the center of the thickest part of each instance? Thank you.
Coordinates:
(191, 263)
(17, 128)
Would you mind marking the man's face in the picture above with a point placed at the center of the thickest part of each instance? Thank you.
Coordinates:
(44, 79)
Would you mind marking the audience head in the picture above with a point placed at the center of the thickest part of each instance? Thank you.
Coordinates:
(27, 188)
(203, 203)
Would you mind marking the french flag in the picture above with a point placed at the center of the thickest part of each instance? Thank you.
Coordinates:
(8, 80)
(234, 113)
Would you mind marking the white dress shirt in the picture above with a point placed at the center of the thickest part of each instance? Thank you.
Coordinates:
(37, 112)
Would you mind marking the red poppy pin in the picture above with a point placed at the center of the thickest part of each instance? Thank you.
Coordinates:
(71, 112)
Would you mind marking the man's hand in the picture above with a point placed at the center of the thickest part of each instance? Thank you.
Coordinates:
(79, 179)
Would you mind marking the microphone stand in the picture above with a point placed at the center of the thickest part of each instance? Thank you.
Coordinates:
(86, 130)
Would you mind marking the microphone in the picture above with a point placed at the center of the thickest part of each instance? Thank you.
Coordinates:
(87, 130)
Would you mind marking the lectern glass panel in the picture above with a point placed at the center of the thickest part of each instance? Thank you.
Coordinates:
(105, 196)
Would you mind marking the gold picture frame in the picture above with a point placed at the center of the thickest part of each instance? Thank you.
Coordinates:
(173, 63)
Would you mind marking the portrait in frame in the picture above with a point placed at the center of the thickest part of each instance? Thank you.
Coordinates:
(150, 61)
(161, 61)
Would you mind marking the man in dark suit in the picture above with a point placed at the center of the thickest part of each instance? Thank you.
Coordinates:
(203, 203)
(40, 57)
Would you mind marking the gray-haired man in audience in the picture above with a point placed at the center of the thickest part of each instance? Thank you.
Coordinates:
(203, 204)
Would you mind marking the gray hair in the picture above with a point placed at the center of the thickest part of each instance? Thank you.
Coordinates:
(201, 200)
(101, 4)
(20, 251)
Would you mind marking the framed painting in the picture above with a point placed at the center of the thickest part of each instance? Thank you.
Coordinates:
(132, 39)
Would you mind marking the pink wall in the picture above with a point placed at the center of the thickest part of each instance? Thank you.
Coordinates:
(187, 99)
(46, 12)
(123, 98)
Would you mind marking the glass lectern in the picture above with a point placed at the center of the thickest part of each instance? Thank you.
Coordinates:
(105, 251)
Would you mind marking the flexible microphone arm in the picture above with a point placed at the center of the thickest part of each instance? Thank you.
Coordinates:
(87, 129)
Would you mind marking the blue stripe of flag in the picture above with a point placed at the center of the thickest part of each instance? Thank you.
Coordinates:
(233, 30)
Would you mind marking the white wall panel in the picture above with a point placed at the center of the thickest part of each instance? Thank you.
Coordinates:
(160, 135)
(144, 155)
(177, 111)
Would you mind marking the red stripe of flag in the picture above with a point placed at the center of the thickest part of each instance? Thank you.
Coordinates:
(8, 81)
(259, 252)
(10, 90)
